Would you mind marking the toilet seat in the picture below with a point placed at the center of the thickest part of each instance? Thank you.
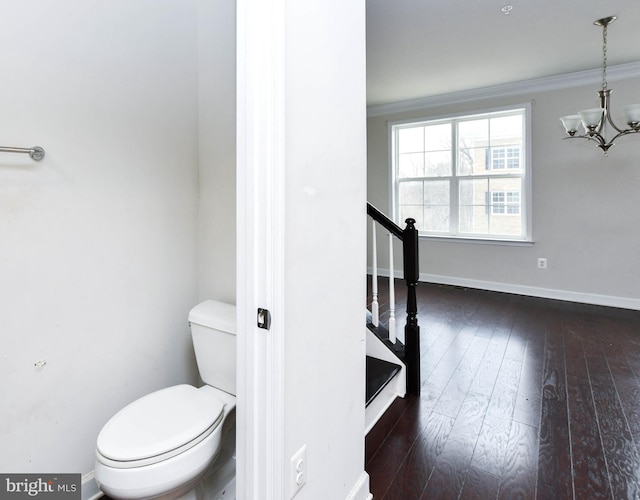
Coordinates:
(159, 426)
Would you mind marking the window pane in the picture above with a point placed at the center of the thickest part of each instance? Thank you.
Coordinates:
(411, 199)
(438, 137)
(411, 193)
(436, 219)
(438, 150)
(474, 201)
(438, 164)
(473, 139)
(505, 209)
(436, 193)
(506, 141)
(436, 206)
(505, 128)
(410, 165)
(513, 185)
(410, 140)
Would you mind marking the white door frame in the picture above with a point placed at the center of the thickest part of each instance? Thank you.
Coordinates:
(260, 247)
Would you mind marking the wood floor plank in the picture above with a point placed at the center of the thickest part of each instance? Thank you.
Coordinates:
(626, 385)
(589, 465)
(621, 453)
(430, 357)
(437, 378)
(447, 479)
(479, 485)
(393, 451)
(489, 367)
(454, 393)
(492, 443)
(385, 426)
(529, 399)
(519, 475)
(554, 457)
(418, 465)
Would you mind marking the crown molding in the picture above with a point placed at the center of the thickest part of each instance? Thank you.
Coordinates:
(569, 80)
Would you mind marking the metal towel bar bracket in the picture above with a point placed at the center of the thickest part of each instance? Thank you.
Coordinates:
(36, 152)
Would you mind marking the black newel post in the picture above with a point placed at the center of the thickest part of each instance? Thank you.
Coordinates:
(411, 329)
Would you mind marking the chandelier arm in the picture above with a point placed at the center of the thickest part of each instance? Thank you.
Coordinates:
(597, 138)
(620, 130)
(623, 132)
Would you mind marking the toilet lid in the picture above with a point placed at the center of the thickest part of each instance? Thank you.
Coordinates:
(158, 423)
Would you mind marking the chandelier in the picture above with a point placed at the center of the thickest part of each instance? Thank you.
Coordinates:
(594, 121)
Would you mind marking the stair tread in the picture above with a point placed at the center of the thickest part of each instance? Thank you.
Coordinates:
(379, 374)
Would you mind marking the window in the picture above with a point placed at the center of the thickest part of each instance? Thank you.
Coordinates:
(465, 176)
(505, 202)
(502, 158)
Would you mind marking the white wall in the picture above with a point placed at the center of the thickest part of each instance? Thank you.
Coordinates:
(325, 243)
(98, 252)
(217, 158)
(584, 207)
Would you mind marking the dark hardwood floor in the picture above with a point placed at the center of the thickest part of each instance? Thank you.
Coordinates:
(521, 398)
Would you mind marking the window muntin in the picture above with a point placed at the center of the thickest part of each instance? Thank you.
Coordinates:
(463, 176)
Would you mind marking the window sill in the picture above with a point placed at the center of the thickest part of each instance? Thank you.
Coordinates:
(477, 241)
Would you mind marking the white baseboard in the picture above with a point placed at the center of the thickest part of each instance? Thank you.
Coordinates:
(532, 291)
(360, 490)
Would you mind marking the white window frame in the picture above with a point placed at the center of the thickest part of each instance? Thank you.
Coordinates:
(525, 193)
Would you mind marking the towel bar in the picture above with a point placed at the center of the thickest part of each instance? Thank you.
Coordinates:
(36, 152)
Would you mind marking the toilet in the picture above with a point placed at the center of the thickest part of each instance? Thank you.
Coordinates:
(163, 444)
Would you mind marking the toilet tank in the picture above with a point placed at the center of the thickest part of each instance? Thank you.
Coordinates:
(213, 328)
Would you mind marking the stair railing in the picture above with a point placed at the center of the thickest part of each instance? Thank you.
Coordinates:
(409, 238)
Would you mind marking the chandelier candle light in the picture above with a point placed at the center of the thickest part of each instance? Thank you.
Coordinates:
(594, 120)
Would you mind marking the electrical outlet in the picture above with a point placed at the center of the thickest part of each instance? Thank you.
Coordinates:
(542, 263)
(298, 471)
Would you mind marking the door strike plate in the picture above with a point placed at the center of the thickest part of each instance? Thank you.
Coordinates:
(264, 318)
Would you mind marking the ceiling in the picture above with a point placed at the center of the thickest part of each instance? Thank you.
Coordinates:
(425, 48)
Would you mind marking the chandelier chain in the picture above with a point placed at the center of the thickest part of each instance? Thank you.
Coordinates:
(604, 57)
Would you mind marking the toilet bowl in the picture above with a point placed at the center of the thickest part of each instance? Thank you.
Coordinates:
(162, 444)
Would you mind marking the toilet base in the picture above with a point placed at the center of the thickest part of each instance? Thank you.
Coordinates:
(219, 482)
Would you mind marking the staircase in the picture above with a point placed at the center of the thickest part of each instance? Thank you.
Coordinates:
(393, 368)
(386, 373)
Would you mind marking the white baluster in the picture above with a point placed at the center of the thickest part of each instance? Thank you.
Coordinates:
(392, 295)
(375, 307)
